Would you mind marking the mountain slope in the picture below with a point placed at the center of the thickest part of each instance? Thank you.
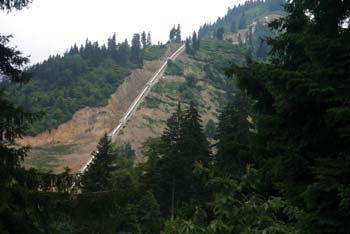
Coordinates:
(87, 125)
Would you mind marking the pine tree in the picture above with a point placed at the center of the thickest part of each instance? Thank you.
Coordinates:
(233, 136)
(233, 27)
(240, 42)
(172, 34)
(188, 46)
(143, 39)
(303, 126)
(97, 176)
(178, 33)
(136, 51)
(112, 47)
(195, 41)
(149, 39)
(183, 145)
(220, 33)
(261, 52)
(124, 53)
(242, 22)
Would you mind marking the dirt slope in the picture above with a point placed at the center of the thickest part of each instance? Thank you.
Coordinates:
(151, 121)
(88, 124)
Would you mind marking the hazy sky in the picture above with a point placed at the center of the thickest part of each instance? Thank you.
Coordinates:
(51, 26)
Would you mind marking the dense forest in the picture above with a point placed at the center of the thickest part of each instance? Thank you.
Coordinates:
(282, 158)
(83, 76)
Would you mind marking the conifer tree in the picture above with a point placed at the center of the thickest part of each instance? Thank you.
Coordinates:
(220, 33)
(124, 52)
(143, 39)
(233, 27)
(172, 34)
(149, 39)
(195, 41)
(178, 33)
(136, 51)
(302, 99)
(97, 176)
(242, 22)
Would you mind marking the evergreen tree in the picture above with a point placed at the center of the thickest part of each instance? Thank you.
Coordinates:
(172, 34)
(188, 46)
(178, 33)
(233, 136)
(233, 27)
(149, 39)
(143, 39)
(242, 22)
(195, 41)
(220, 33)
(124, 53)
(136, 51)
(261, 52)
(302, 101)
(112, 48)
(97, 176)
(183, 145)
(240, 42)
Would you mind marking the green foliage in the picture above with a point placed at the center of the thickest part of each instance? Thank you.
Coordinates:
(154, 52)
(220, 33)
(300, 99)
(238, 208)
(169, 170)
(97, 176)
(136, 55)
(210, 129)
(174, 68)
(242, 15)
(46, 158)
(62, 85)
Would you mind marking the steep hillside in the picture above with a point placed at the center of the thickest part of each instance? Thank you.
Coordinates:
(197, 76)
(78, 136)
(83, 77)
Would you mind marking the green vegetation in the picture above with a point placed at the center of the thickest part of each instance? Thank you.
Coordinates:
(82, 77)
(154, 52)
(152, 102)
(47, 158)
(174, 68)
(281, 165)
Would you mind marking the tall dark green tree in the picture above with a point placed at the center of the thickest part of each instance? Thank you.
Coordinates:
(136, 51)
(195, 41)
(172, 33)
(143, 39)
(18, 210)
(98, 174)
(220, 33)
(149, 39)
(242, 22)
(178, 33)
(183, 144)
(302, 100)
(233, 26)
(233, 146)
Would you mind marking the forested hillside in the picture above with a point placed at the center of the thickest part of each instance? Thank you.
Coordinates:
(280, 162)
(84, 76)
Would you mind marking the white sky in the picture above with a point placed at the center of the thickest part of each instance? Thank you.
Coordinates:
(49, 27)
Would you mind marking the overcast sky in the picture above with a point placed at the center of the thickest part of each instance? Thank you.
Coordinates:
(51, 26)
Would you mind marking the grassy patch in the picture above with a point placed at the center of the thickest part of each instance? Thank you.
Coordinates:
(175, 68)
(46, 158)
(154, 52)
(152, 102)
